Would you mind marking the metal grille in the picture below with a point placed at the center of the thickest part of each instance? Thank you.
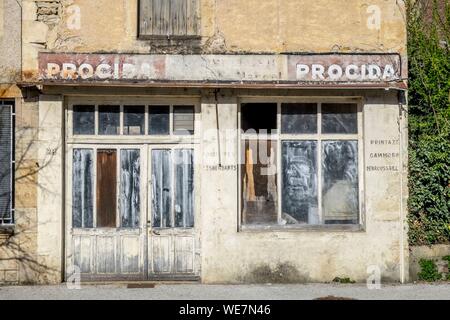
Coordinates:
(6, 163)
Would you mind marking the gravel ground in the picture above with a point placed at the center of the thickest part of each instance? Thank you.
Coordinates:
(228, 292)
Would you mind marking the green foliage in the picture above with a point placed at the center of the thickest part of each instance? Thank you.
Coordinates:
(428, 271)
(343, 280)
(429, 121)
(447, 258)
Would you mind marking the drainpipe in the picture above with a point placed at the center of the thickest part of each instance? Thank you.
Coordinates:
(216, 91)
(401, 103)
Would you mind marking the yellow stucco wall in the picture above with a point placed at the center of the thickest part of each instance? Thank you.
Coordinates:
(270, 26)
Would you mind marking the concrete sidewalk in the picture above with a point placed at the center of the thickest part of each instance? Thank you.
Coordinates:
(439, 291)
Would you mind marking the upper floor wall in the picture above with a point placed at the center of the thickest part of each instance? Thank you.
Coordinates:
(10, 44)
(211, 26)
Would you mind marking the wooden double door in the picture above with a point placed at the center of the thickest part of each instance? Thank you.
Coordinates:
(131, 212)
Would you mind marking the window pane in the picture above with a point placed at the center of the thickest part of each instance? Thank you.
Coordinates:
(82, 188)
(339, 118)
(133, 120)
(109, 120)
(299, 194)
(6, 172)
(161, 188)
(340, 200)
(259, 117)
(159, 120)
(83, 119)
(298, 118)
(130, 186)
(259, 182)
(184, 188)
(183, 120)
(106, 188)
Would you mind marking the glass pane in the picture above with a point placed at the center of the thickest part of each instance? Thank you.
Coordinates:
(83, 119)
(161, 188)
(300, 181)
(83, 188)
(184, 188)
(340, 200)
(259, 118)
(339, 118)
(109, 120)
(183, 120)
(106, 188)
(6, 168)
(298, 118)
(259, 182)
(159, 120)
(133, 120)
(130, 187)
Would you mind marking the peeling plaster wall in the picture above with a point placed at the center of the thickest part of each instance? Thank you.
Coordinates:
(18, 260)
(10, 40)
(231, 26)
(18, 252)
(262, 256)
(227, 26)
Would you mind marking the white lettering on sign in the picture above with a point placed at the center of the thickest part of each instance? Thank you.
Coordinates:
(352, 72)
(295, 68)
(103, 71)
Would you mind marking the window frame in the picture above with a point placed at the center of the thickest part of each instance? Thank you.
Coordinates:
(319, 137)
(124, 138)
(12, 222)
(144, 143)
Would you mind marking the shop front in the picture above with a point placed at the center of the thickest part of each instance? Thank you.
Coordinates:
(228, 168)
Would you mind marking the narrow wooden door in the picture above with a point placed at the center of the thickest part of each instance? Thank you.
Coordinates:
(173, 242)
(107, 221)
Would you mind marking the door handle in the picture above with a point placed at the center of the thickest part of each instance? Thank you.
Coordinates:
(155, 233)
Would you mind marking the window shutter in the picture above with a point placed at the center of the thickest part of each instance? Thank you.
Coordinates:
(6, 164)
(169, 17)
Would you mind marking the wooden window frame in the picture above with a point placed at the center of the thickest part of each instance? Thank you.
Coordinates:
(319, 137)
(120, 142)
(143, 138)
(8, 224)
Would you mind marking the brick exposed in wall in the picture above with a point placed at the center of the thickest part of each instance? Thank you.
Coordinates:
(48, 11)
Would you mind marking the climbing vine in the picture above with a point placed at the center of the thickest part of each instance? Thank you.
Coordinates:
(429, 121)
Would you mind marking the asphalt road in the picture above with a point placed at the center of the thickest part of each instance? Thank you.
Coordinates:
(229, 292)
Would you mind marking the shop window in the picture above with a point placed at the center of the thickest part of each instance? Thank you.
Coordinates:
(298, 118)
(340, 182)
(318, 173)
(116, 189)
(159, 120)
(83, 120)
(339, 118)
(300, 182)
(259, 117)
(172, 188)
(6, 163)
(169, 18)
(259, 185)
(130, 182)
(183, 120)
(109, 120)
(129, 120)
(83, 188)
(133, 120)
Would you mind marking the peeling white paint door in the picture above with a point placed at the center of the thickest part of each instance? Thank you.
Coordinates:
(106, 242)
(173, 242)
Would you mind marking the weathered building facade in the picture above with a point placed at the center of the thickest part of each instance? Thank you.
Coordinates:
(224, 141)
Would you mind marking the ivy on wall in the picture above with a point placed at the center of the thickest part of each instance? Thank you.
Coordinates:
(429, 121)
